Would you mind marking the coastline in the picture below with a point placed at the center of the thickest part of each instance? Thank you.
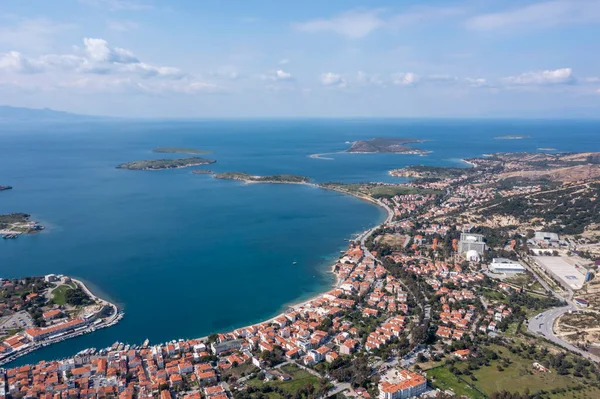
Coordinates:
(110, 321)
(291, 306)
(294, 306)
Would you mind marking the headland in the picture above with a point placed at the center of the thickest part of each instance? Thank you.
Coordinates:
(245, 177)
(47, 310)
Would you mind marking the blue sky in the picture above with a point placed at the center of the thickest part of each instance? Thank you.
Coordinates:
(261, 58)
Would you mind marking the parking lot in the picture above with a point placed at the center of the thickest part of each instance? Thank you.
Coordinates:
(18, 321)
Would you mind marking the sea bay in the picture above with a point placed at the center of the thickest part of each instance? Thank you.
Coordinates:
(187, 255)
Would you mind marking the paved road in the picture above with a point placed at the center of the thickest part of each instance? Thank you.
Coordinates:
(543, 325)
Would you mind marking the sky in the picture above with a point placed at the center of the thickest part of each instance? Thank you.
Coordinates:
(309, 58)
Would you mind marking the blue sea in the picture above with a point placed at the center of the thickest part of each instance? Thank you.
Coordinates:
(186, 255)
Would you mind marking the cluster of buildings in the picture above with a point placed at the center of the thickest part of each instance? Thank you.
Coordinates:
(313, 332)
(406, 205)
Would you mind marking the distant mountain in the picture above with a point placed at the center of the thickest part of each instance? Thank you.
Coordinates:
(18, 114)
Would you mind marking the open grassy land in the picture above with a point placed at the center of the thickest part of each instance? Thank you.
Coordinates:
(443, 379)
(300, 379)
(512, 373)
(59, 293)
(526, 281)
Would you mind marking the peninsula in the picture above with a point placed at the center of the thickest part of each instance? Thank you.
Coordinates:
(161, 164)
(386, 145)
(3, 188)
(180, 150)
(39, 311)
(284, 178)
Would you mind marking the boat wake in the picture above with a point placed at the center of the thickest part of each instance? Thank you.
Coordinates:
(321, 156)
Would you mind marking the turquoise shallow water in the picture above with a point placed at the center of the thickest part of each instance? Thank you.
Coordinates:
(186, 255)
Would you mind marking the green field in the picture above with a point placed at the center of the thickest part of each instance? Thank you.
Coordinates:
(58, 294)
(493, 295)
(443, 379)
(519, 376)
(299, 379)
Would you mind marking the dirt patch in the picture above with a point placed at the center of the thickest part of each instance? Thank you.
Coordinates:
(569, 174)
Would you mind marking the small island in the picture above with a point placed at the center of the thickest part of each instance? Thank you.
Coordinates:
(202, 172)
(15, 224)
(284, 178)
(512, 137)
(386, 145)
(180, 150)
(161, 164)
(3, 188)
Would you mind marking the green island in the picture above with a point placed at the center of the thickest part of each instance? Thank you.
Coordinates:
(386, 145)
(202, 172)
(283, 178)
(14, 224)
(161, 164)
(180, 150)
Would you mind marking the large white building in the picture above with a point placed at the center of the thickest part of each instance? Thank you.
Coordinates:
(471, 242)
(503, 265)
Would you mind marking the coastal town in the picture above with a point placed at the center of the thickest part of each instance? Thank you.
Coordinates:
(475, 286)
(38, 311)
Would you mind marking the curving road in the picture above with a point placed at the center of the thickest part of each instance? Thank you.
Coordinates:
(543, 324)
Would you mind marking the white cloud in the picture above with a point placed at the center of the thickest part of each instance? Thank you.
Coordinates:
(282, 75)
(360, 23)
(405, 79)
(14, 61)
(97, 58)
(353, 24)
(113, 84)
(560, 76)
(278, 75)
(100, 67)
(476, 82)
(99, 51)
(539, 15)
(284, 61)
(331, 79)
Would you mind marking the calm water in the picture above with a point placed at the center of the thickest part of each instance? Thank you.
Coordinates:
(186, 255)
